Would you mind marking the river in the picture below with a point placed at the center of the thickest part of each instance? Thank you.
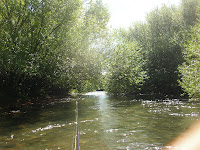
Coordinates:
(105, 123)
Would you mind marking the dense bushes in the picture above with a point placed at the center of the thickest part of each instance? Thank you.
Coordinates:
(46, 45)
(126, 74)
(190, 69)
(154, 62)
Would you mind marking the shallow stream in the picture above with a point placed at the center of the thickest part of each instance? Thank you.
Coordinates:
(105, 123)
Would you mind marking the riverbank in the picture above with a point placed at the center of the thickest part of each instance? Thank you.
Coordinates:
(15, 104)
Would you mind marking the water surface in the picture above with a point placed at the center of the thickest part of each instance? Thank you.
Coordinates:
(105, 123)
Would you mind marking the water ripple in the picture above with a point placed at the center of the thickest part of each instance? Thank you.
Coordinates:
(49, 127)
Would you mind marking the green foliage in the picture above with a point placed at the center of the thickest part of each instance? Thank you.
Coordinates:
(32, 34)
(190, 69)
(162, 53)
(157, 54)
(46, 45)
(161, 40)
(125, 74)
(190, 10)
(54, 46)
(86, 65)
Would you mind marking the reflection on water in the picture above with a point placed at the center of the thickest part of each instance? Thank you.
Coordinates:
(105, 123)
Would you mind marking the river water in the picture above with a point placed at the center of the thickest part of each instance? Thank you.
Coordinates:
(105, 123)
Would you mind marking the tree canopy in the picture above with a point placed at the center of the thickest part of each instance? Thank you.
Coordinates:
(50, 47)
(161, 41)
(46, 46)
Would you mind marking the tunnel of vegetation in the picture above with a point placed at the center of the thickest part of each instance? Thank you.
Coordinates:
(50, 47)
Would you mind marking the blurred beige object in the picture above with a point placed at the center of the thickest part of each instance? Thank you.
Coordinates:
(188, 140)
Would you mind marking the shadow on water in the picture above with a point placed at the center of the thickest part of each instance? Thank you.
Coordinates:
(105, 122)
(19, 121)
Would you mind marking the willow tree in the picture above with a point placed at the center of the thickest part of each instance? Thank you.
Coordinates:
(161, 39)
(125, 72)
(86, 64)
(190, 70)
(42, 42)
(164, 54)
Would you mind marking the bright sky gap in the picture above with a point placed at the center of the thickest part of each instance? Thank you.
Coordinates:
(125, 12)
